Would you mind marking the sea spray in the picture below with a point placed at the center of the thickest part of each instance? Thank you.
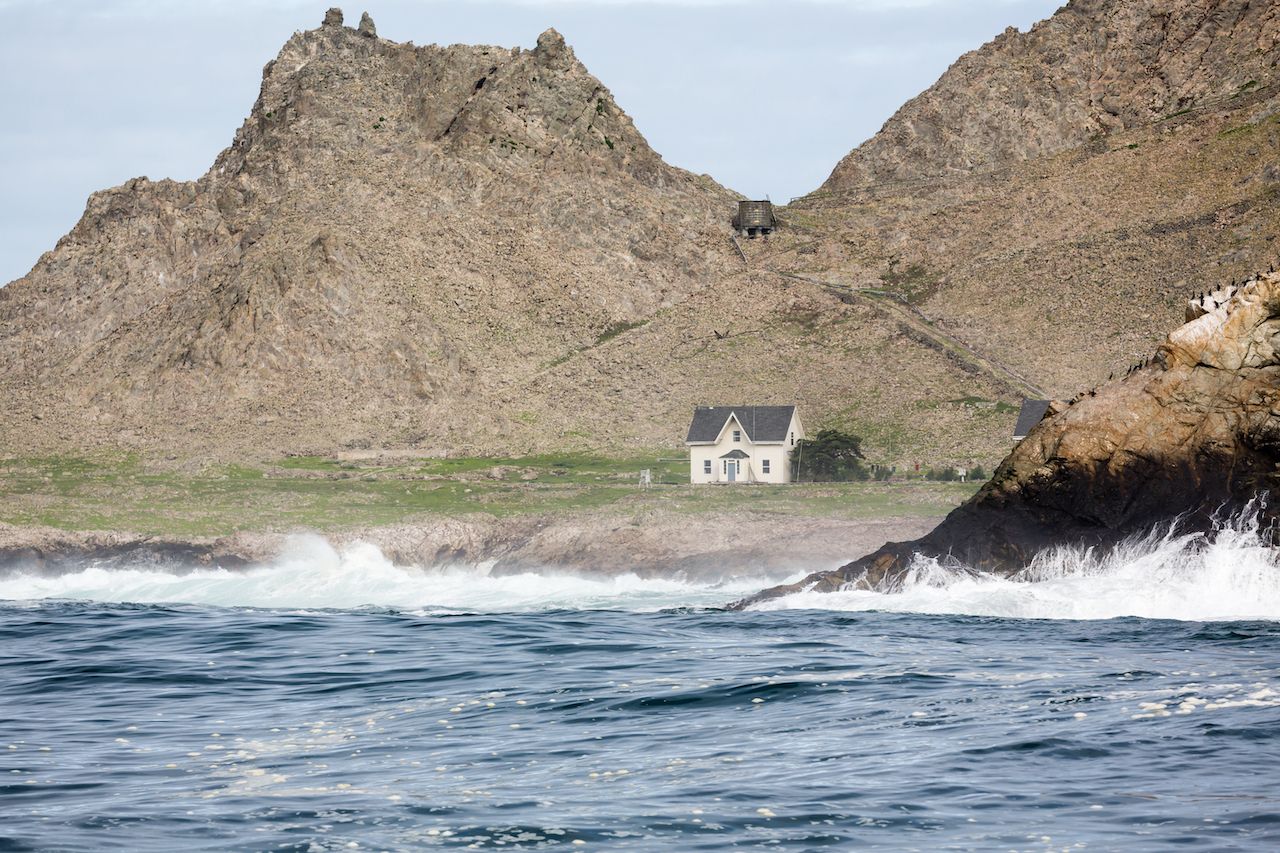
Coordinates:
(312, 573)
(1232, 573)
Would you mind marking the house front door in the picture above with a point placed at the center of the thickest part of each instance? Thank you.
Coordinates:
(733, 470)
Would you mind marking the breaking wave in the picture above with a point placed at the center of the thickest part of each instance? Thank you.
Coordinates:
(311, 574)
(1231, 574)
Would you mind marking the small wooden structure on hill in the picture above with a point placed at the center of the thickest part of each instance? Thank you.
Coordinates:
(755, 218)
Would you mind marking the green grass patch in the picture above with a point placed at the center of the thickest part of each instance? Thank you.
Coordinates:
(618, 329)
(881, 438)
(913, 283)
(119, 493)
(984, 405)
(605, 336)
(1234, 131)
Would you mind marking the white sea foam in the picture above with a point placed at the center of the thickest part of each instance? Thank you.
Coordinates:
(1230, 574)
(312, 574)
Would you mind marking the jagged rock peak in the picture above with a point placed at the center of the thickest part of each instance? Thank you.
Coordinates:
(508, 109)
(366, 27)
(333, 17)
(552, 49)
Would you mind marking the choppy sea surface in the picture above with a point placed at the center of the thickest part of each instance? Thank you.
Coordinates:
(334, 701)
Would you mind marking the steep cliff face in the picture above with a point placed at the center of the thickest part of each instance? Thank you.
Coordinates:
(395, 231)
(1093, 68)
(1190, 434)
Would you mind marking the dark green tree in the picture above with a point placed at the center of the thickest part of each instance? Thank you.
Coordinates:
(830, 455)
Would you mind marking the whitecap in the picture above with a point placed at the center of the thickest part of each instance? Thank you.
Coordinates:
(1231, 574)
(311, 574)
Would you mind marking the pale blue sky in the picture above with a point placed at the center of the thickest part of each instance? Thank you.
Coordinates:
(100, 91)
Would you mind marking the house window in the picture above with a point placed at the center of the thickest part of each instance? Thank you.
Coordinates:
(706, 466)
(764, 466)
(793, 439)
(737, 435)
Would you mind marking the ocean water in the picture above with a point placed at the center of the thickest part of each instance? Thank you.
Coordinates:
(334, 701)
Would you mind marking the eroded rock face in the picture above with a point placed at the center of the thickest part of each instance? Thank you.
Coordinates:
(397, 242)
(1192, 433)
(1094, 67)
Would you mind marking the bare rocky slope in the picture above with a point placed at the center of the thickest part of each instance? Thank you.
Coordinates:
(437, 249)
(473, 250)
(397, 238)
(1094, 68)
(1069, 251)
(1072, 265)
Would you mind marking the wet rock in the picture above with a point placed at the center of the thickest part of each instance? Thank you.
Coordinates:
(1185, 438)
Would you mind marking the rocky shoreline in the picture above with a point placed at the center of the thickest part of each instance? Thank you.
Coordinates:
(706, 546)
(1188, 436)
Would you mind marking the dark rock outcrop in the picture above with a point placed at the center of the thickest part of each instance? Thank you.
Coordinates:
(1190, 435)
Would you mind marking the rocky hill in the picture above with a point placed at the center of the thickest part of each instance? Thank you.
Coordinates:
(430, 249)
(1066, 267)
(1094, 68)
(396, 235)
(1066, 261)
(473, 250)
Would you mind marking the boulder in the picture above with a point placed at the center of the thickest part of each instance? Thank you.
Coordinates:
(552, 50)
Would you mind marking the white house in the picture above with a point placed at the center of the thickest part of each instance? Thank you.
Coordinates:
(742, 444)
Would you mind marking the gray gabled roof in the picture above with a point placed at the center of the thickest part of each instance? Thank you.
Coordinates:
(735, 454)
(1031, 413)
(760, 423)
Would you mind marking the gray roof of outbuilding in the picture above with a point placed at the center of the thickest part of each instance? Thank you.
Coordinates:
(1031, 413)
(761, 423)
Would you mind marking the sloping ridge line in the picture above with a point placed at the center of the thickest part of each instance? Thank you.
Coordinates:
(889, 303)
